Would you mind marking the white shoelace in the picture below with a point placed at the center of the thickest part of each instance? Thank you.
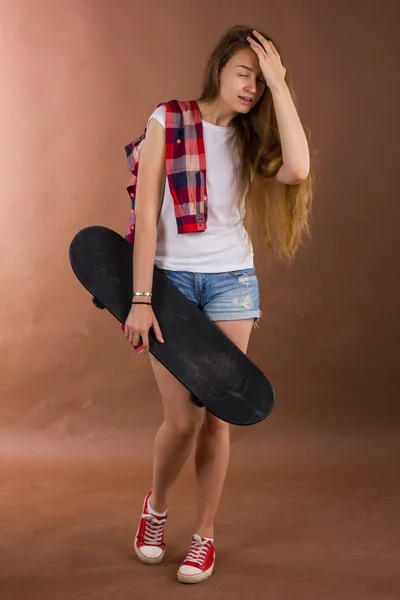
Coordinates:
(198, 550)
(153, 532)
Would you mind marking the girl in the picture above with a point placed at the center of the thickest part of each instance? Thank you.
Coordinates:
(258, 165)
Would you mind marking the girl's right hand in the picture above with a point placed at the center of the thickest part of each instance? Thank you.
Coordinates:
(137, 325)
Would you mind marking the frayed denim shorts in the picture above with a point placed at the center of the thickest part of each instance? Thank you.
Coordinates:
(226, 296)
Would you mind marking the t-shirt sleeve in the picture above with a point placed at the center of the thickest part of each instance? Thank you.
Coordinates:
(158, 115)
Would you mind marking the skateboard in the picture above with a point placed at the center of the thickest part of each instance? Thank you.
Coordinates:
(216, 372)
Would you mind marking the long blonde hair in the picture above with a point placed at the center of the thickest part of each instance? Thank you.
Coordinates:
(280, 212)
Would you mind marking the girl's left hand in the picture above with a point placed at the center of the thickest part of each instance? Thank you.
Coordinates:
(269, 59)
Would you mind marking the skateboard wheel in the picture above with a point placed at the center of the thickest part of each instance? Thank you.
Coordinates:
(196, 401)
(97, 303)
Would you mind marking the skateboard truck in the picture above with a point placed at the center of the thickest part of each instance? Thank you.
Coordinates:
(97, 303)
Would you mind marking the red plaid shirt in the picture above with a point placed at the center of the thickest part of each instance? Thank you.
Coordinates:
(185, 166)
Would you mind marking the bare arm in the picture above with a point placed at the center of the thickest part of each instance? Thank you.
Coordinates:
(295, 151)
(149, 193)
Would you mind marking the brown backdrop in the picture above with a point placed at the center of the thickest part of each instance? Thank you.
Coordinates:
(79, 409)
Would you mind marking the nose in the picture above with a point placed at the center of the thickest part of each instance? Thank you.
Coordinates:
(252, 87)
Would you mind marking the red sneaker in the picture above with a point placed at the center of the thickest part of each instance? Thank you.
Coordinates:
(149, 540)
(199, 563)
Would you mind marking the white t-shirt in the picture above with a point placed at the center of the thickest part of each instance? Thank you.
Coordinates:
(224, 245)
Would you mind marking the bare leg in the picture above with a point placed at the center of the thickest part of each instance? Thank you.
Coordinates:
(175, 438)
(212, 448)
(212, 458)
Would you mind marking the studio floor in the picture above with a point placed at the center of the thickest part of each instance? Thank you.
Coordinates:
(306, 516)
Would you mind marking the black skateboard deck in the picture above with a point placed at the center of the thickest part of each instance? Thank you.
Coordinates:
(195, 351)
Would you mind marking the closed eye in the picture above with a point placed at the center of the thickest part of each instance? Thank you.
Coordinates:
(260, 80)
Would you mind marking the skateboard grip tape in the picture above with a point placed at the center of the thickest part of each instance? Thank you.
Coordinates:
(137, 348)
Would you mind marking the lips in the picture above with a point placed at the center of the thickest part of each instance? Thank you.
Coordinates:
(246, 100)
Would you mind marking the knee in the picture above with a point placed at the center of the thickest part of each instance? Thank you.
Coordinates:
(214, 426)
(183, 429)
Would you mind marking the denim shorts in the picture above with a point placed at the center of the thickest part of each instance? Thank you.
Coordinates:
(226, 296)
